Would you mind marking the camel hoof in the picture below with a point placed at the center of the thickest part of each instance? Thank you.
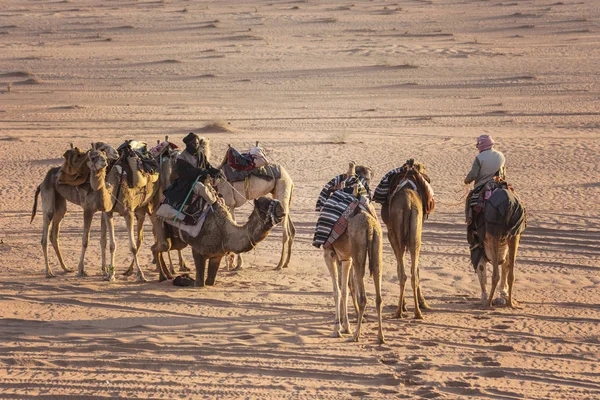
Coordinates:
(404, 308)
(50, 275)
(499, 301)
(484, 299)
(198, 284)
(347, 331)
(399, 314)
(381, 340)
(418, 316)
(68, 270)
(278, 268)
(424, 306)
(353, 339)
(183, 268)
(141, 278)
(336, 334)
(129, 272)
(110, 278)
(82, 274)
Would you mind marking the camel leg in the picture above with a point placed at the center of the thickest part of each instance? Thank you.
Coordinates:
(330, 260)
(171, 267)
(163, 272)
(240, 259)
(399, 249)
(495, 247)
(87, 224)
(103, 242)
(291, 239)
(182, 266)
(513, 246)
(482, 275)
(346, 268)
(414, 265)
(200, 262)
(377, 276)
(422, 302)
(109, 274)
(140, 215)
(504, 271)
(213, 268)
(359, 272)
(60, 209)
(133, 246)
(289, 233)
(48, 217)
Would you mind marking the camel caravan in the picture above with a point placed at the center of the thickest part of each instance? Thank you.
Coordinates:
(192, 203)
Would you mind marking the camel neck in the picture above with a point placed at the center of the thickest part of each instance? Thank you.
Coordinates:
(243, 238)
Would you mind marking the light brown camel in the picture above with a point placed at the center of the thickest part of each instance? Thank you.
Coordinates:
(54, 207)
(236, 194)
(220, 235)
(120, 198)
(349, 253)
(403, 215)
(504, 224)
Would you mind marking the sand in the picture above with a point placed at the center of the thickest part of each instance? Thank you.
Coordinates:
(318, 83)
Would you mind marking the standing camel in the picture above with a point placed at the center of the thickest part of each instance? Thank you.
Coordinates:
(54, 207)
(220, 235)
(505, 219)
(129, 202)
(236, 194)
(362, 237)
(409, 200)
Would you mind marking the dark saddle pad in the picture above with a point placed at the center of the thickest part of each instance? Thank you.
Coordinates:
(267, 172)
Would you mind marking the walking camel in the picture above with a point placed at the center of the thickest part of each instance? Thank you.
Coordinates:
(505, 219)
(349, 252)
(409, 200)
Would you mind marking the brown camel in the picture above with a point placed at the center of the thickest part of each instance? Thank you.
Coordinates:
(403, 215)
(349, 252)
(220, 235)
(54, 205)
(120, 198)
(236, 194)
(505, 221)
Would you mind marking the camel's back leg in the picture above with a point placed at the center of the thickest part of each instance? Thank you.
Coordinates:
(200, 261)
(375, 266)
(182, 266)
(494, 248)
(513, 247)
(213, 268)
(283, 192)
(399, 247)
(129, 217)
(140, 216)
(332, 265)
(109, 274)
(48, 215)
(414, 246)
(359, 256)
(60, 209)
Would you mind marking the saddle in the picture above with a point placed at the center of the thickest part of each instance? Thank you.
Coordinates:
(74, 170)
(141, 166)
(254, 158)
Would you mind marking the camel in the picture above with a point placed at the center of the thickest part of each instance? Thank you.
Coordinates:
(128, 202)
(403, 214)
(54, 207)
(236, 194)
(504, 224)
(220, 235)
(348, 252)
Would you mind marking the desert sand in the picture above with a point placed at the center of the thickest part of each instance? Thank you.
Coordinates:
(318, 83)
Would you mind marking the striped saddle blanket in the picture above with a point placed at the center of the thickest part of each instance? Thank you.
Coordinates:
(334, 217)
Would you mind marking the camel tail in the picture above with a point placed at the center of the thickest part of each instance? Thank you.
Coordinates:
(374, 249)
(35, 200)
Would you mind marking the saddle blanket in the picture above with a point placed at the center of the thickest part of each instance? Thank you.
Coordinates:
(171, 216)
(74, 170)
(382, 190)
(267, 172)
(334, 217)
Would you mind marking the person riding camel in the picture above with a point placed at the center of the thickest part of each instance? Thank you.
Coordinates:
(192, 170)
(488, 165)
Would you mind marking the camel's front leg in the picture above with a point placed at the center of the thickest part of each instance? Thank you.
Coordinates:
(240, 259)
(182, 266)
(109, 273)
(133, 246)
(200, 262)
(213, 268)
(330, 260)
(87, 224)
(140, 215)
(59, 213)
(346, 268)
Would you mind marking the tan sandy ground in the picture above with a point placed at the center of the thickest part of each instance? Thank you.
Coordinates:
(393, 80)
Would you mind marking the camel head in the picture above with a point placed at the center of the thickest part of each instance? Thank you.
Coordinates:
(205, 147)
(364, 172)
(270, 211)
(97, 160)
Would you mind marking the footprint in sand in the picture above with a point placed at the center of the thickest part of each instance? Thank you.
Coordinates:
(494, 374)
(429, 343)
(501, 326)
(457, 384)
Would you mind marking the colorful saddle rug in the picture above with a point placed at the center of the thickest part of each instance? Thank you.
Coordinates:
(334, 217)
